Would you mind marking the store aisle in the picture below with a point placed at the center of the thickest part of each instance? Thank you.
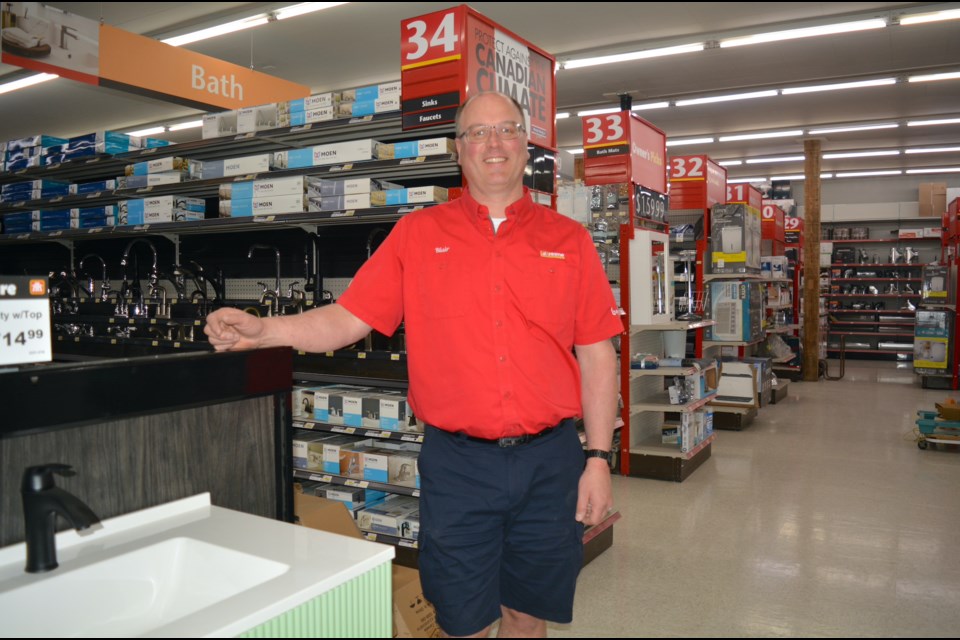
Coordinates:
(822, 518)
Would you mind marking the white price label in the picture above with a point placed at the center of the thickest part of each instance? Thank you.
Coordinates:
(24, 320)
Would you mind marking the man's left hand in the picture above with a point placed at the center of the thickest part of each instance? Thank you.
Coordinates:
(595, 494)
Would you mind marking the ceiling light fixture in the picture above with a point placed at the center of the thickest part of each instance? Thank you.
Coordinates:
(650, 105)
(561, 115)
(861, 154)
(865, 174)
(932, 150)
(926, 123)
(806, 32)
(741, 180)
(793, 133)
(633, 55)
(575, 152)
(193, 124)
(935, 170)
(680, 143)
(730, 163)
(839, 86)
(304, 8)
(933, 77)
(151, 131)
(775, 159)
(729, 97)
(598, 112)
(219, 30)
(853, 128)
(29, 81)
(936, 16)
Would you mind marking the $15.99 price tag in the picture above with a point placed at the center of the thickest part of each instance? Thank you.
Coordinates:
(24, 320)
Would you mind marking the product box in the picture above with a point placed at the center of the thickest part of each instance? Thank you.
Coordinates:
(160, 209)
(412, 195)
(316, 101)
(737, 308)
(376, 465)
(324, 154)
(932, 199)
(301, 118)
(260, 118)
(339, 203)
(402, 468)
(328, 402)
(39, 140)
(343, 455)
(27, 163)
(362, 108)
(419, 148)
(393, 411)
(157, 165)
(413, 615)
(109, 142)
(734, 239)
(325, 187)
(104, 221)
(353, 498)
(151, 180)
(84, 188)
(738, 385)
(301, 449)
(82, 213)
(269, 188)
(353, 407)
(302, 399)
(393, 517)
(910, 233)
(234, 167)
(371, 92)
(220, 124)
(268, 205)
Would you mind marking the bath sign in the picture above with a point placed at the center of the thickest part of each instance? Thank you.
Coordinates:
(24, 320)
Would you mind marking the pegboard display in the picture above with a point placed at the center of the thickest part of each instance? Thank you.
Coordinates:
(248, 289)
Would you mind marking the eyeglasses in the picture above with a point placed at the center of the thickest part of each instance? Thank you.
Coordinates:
(482, 132)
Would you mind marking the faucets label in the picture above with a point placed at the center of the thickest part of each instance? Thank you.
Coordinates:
(24, 320)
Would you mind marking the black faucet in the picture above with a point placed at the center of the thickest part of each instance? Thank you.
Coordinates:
(42, 501)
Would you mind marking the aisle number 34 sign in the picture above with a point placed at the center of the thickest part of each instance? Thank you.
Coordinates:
(24, 320)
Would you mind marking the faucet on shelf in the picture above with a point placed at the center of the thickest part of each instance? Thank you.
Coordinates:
(314, 277)
(104, 282)
(154, 276)
(275, 293)
(42, 502)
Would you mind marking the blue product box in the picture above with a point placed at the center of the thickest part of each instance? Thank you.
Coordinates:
(153, 143)
(95, 212)
(58, 224)
(24, 163)
(35, 185)
(39, 140)
(299, 158)
(93, 187)
(102, 221)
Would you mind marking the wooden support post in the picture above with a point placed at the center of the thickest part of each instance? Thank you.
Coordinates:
(811, 261)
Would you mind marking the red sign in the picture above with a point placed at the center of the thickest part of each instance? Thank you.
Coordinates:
(793, 229)
(744, 194)
(623, 147)
(696, 182)
(450, 55)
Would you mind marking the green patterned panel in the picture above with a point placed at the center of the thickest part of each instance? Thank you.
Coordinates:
(361, 608)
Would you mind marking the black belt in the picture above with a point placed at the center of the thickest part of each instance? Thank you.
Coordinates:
(509, 441)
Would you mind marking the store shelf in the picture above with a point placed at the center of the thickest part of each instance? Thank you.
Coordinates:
(662, 403)
(707, 277)
(872, 351)
(870, 295)
(362, 432)
(724, 343)
(872, 334)
(879, 264)
(863, 279)
(653, 446)
(778, 330)
(664, 371)
(882, 240)
(678, 325)
(329, 478)
(383, 538)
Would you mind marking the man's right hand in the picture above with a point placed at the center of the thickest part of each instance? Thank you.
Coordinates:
(231, 329)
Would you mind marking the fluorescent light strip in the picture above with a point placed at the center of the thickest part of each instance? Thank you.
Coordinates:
(634, 55)
(740, 180)
(219, 30)
(147, 132)
(562, 115)
(823, 176)
(774, 159)
(794, 133)
(29, 81)
(575, 152)
(650, 105)
(925, 123)
(933, 77)
(193, 124)
(864, 174)
(598, 112)
(840, 85)
(854, 128)
(727, 98)
(680, 143)
(730, 163)
(935, 170)
(932, 150)
(806, 32)
(922, 18)
(861, 154)
(304, 8)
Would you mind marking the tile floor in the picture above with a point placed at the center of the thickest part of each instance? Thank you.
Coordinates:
(821, 518)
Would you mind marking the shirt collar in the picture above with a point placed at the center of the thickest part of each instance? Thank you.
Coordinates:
(480, 212)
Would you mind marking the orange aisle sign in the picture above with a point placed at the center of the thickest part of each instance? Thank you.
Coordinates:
(143, 65)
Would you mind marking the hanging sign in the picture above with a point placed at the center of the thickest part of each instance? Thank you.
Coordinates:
(623, 147)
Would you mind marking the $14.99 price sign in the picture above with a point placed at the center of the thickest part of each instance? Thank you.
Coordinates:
(24, 320)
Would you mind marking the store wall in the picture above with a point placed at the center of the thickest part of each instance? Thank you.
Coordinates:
(876, 189)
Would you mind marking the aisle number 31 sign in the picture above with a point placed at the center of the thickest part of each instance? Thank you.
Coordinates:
(24, 320)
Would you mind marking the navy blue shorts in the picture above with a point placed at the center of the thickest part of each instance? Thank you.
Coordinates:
(497, 526)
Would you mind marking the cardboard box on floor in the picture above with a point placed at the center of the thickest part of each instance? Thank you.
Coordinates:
(413, 616)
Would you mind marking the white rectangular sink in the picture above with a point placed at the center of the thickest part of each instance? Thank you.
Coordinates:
(183, 569)
(135, 592)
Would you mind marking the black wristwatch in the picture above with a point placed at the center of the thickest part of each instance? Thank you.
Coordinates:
(598, 453)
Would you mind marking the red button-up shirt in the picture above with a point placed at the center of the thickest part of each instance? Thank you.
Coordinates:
(490, 318)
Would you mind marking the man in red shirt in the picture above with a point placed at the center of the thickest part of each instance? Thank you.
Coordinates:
(508, 317)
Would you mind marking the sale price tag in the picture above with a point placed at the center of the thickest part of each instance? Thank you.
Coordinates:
(24, 320)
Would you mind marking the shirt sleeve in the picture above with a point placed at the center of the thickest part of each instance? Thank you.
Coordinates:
(598, 315)
(376, 293)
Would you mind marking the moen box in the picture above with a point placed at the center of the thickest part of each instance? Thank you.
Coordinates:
(339, 203)
(412, 195)
(260, 118)
(268, 187)
(328, 402)
(324, 154)
(316, 101)
(343, 455)
(235, 166)
(393, 517)
(349, 187)
(220, 124)
(268, 205)
(362, 108)
(419, 148)
(300, 118)
(150, 180)
(413, 615)
(301, 449)
(157, 165)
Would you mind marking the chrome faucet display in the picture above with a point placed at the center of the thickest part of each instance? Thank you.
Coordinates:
(43, 501)
(267, 294)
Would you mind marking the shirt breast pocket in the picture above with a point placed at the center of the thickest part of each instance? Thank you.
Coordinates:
(550, 291)
(444, 288)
